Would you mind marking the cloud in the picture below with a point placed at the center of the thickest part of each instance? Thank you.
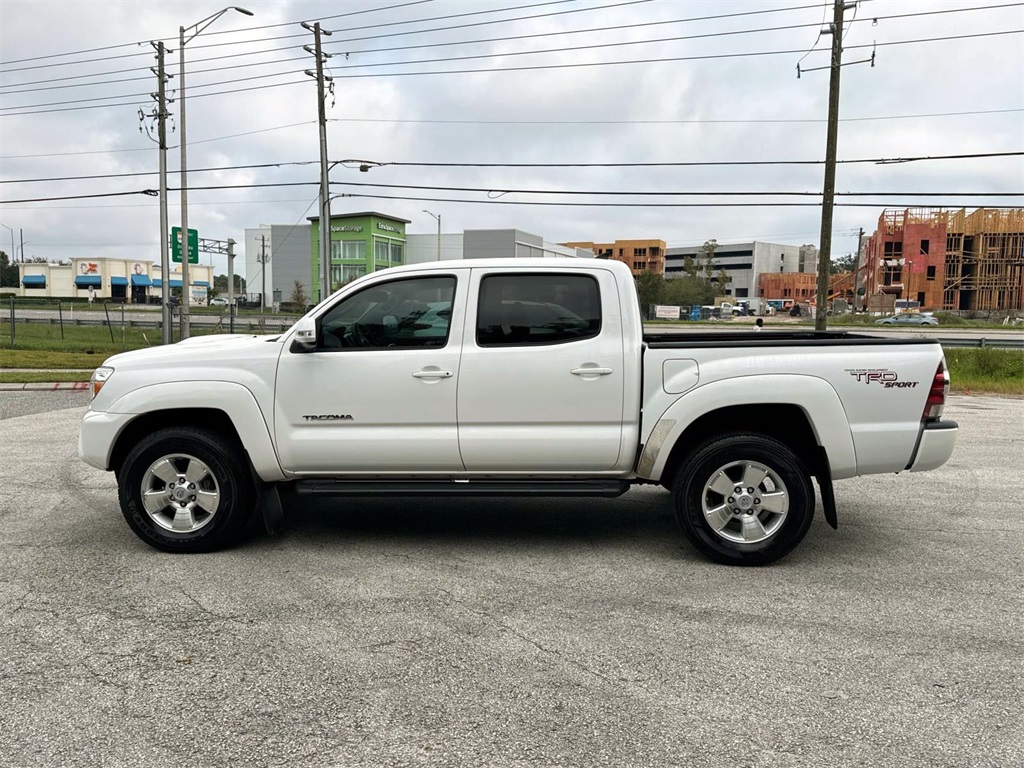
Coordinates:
(608, 106)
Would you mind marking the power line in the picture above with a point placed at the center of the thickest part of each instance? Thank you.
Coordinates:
(724, 121)
(520, 69)
(222, 32)
(148, 192)
(148, 149)
(372, 26)
(563, 204)
(668, 164)
(405, 48)
(755, 121)
(495, 55)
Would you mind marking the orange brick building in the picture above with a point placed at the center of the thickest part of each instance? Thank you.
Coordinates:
(638, 255)
(803, 286)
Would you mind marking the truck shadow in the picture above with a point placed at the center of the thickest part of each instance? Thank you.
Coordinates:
(481, 518)
(643, 519)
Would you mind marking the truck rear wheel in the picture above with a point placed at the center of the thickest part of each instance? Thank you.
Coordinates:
(186, 489)
(744, 499)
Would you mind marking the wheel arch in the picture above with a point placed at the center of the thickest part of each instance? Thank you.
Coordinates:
(226, 407)
(785, 422)
(147, 423)
(808, 417)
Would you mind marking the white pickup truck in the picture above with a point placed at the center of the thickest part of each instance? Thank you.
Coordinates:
(504, 378)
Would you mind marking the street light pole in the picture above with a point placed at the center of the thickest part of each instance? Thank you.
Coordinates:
(199, 26)
(438, 217)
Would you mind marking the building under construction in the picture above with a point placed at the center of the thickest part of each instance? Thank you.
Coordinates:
(947, 259)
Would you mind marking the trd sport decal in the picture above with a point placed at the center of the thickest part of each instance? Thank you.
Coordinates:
(885, 377)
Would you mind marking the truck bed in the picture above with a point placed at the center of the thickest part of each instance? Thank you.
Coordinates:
(771, 338)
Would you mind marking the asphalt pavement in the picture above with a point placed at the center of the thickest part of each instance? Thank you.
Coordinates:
(566, 632)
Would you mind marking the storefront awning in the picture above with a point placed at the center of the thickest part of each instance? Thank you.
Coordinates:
(141, 280)
(119, 280)
(34, 281)
(84, 281)
(158, 283)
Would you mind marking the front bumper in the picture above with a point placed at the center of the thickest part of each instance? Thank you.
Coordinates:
(938, 438)
(97, 435)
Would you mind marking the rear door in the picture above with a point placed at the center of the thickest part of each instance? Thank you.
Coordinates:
(542, 375)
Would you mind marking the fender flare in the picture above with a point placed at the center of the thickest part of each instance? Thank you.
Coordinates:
(813, 395)
(233, 399)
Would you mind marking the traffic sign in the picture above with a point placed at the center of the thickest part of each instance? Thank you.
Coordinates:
(193, 245)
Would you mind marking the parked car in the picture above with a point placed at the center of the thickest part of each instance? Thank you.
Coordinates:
(218, 301)
(909, 318)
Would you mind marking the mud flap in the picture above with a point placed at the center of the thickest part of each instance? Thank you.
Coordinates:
(268, 502)
(828, 496)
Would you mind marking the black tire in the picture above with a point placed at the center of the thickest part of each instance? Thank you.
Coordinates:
(771, 534)
(227, 478)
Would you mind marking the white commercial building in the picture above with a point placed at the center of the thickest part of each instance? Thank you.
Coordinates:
(120, 280)
(744, 262)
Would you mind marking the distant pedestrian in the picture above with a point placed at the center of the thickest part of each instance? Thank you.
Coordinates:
(758, 324)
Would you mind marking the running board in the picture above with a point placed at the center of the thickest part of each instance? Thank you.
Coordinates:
(605, 488)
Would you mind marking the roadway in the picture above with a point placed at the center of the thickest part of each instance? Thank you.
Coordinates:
(388, 632)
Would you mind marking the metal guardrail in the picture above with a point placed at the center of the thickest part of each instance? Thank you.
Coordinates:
(990, 343)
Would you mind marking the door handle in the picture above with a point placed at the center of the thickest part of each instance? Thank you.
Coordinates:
(591, 371)
(433, 374)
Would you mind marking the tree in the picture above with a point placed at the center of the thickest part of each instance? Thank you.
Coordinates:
(847, 263)
(723, 280)
(707, 253)
(299, 294)
(650, 289)
(8, 272)
(220, 283)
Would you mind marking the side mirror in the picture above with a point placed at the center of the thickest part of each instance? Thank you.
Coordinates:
(304, 338)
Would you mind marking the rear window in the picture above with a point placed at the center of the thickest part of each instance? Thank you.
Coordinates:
(517, 310)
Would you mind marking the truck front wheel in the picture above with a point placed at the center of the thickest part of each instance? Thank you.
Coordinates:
(186, 489)
(744, 499)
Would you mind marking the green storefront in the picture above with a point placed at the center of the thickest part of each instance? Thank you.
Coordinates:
(360, 243)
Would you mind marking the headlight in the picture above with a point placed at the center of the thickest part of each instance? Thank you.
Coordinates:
(98, 379)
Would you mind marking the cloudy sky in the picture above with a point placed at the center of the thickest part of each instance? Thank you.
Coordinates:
(73, 76)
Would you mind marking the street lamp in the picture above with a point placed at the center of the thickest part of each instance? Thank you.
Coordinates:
(438, 217)
(199, 26)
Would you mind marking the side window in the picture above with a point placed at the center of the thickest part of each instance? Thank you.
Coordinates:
(537, 309)
(402, 314)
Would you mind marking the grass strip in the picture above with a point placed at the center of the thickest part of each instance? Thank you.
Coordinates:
(998, 371)
(41, 376)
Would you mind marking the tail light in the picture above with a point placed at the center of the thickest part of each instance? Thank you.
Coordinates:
(937, 395)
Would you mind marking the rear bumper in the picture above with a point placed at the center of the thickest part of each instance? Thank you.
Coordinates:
(938, 438)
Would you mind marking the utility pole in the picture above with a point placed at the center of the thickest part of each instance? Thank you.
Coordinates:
(832, 138)
(167, 332)
(231, 274)
(21, 235)
(828, 192)
(858, 275)
(263, 272)
(325, 192)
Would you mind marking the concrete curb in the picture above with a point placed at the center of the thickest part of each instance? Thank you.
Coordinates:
(82, 386)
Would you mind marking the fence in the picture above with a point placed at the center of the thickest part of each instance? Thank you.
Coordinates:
(31, 323)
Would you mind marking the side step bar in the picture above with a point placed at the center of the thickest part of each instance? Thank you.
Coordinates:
(604, 488)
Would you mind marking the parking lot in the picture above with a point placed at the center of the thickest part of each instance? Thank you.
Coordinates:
(513, 632)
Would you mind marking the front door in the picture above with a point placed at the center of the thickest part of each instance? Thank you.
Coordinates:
(542, 379)
(378, 392)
